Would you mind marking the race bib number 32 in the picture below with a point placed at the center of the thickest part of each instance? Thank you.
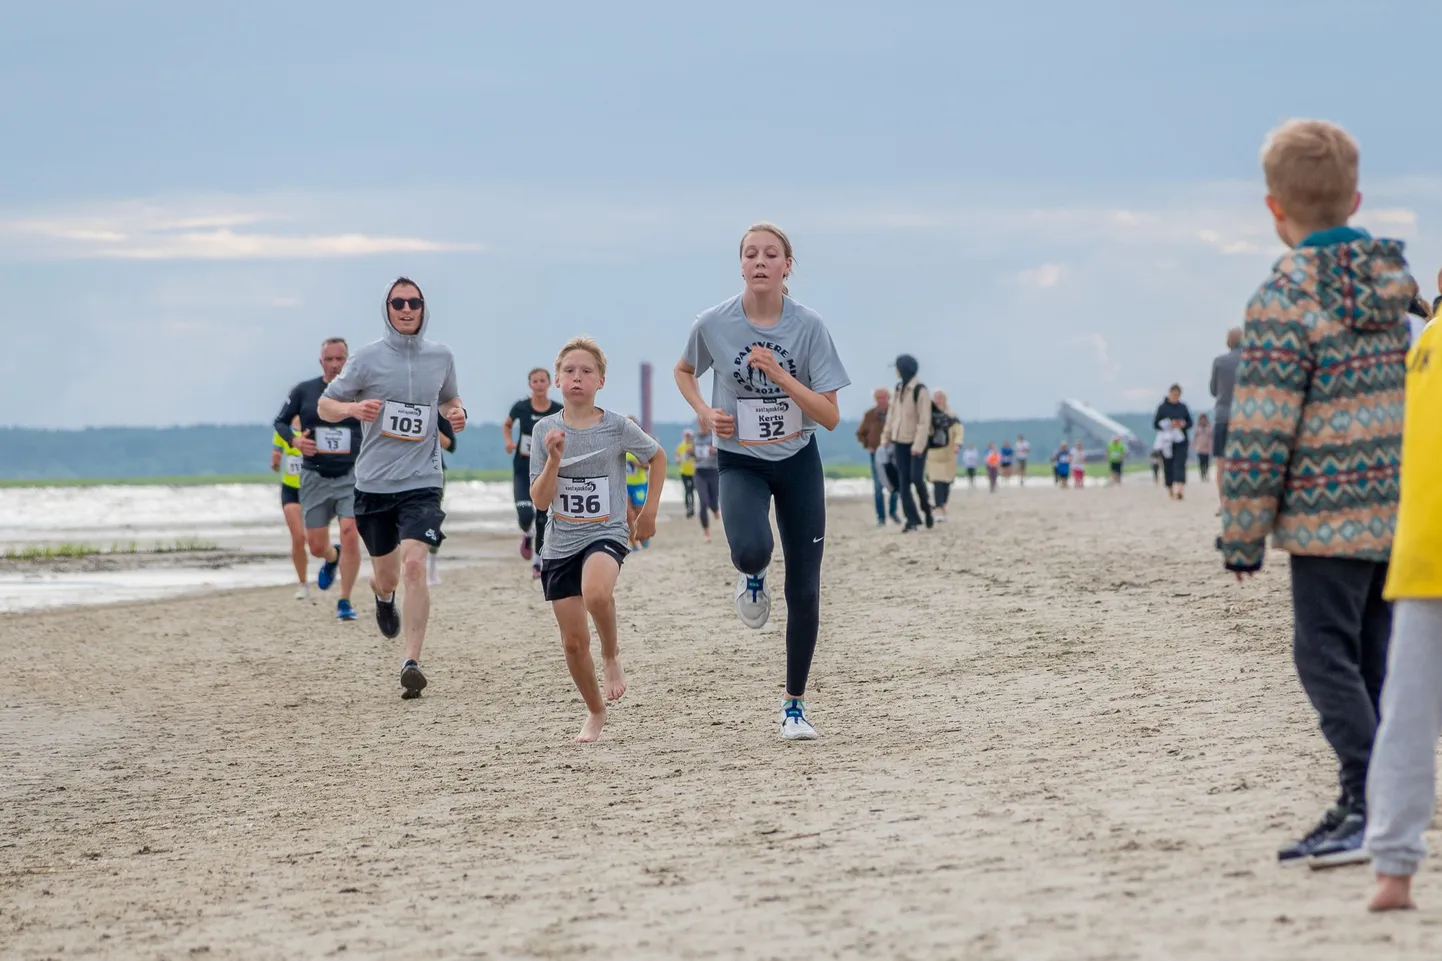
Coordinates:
(405, 421)
(761, 421)
(585, 499)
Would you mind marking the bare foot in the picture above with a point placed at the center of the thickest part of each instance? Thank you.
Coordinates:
(1393, 893)
(591, 730)
(615, 680)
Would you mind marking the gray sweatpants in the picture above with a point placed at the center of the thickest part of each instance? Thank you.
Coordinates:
(1402, 779)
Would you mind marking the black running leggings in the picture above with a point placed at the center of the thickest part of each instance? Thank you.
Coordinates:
(911, 473)
(688, 482)
(526, 512)
(748, 485)
(707, 498)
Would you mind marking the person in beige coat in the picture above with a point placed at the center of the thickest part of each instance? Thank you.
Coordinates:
(941, 461)
(908, 422)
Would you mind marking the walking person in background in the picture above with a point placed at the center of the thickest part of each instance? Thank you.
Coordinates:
(868, 435)
(1224, 381)
(941, 461)
(908, 424)
(969, 460)
(1204, 444)
(1174, 419)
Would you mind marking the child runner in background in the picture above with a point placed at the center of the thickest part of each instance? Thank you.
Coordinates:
(1161, 447)
(1202, 438)
(1078, 464)
(1063, 465)
(636, 482)
(686, 461)
(578, 467)
(969, 460)
(993, 465)
(708, 487)
(1006, 458)
(1023, 454)
(1116, 457)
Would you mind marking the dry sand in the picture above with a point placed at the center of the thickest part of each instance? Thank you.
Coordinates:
(1052, 730)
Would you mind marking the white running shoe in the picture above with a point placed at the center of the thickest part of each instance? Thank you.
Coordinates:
(794, 726)
(302, 592)
(433, 574)
(753, 600)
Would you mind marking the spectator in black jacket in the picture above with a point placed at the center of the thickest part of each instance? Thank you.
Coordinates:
(1174, 418)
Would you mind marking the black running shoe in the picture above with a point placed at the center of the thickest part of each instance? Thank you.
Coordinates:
(413, 681)
(1299, 851)
(930, 521)
(387, 617)
(1344, 845)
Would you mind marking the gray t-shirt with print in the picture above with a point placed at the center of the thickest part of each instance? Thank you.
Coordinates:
(590, 501)
(769, 425)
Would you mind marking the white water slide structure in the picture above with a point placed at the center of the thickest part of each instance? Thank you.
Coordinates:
(1097, 430)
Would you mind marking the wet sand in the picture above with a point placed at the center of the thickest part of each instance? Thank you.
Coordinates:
(1052, 730)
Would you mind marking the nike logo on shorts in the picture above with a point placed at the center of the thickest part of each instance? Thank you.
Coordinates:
(818, 540)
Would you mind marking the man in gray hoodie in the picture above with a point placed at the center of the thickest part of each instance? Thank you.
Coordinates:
(399, 387)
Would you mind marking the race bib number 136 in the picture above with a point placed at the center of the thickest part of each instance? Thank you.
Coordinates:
(766, 421)
(586, 499)
(405, 421)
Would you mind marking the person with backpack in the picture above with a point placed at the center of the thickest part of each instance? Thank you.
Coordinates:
(941, 460)
(908, 427)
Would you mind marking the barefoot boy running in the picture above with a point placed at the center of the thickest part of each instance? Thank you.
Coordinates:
(578, 473)
(1313, 448)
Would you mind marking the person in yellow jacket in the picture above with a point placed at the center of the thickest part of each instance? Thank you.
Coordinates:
(1401, 778)
(285, 460)
(941, 461)
(686, 457)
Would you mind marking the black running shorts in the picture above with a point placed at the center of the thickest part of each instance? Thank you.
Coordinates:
(561, 576)
(384, 520)
(289, 495)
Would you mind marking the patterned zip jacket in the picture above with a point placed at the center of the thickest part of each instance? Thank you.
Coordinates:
(1315, 441)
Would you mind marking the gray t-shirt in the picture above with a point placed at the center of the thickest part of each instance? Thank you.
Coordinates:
(1224, 380)
(590, 501)
(769, 425)
(705, 448)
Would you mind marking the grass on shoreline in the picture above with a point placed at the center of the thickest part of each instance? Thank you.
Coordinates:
(49, 552)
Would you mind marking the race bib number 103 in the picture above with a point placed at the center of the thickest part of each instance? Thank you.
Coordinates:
(405, 421)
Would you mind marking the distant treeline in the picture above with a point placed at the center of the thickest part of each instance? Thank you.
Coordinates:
(204, 450)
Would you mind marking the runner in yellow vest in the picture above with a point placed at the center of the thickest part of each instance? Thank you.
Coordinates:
(637, 482)
(285, 460)
(686, 457)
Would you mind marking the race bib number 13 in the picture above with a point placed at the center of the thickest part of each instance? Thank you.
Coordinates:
(405, 421)
(766, 421)
(585, 499)
(525, 445)
(332, 440)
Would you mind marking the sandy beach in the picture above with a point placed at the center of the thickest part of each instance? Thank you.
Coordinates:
(1052, 729)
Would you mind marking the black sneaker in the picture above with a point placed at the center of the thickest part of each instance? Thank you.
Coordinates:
(388, 619)
(1344, 845)
(930, 521)
(412, 680)
(1299, 851)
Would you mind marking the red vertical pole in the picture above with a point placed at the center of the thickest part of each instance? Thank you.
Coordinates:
(646, 397)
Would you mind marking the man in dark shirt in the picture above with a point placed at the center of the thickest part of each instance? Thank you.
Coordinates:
(327, 475)
(526, 412)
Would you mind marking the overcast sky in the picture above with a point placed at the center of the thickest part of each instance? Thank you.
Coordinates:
(1038, 200)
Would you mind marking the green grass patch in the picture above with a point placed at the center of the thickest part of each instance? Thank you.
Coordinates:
(50, 552)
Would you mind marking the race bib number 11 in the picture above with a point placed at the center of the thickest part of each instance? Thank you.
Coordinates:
(405, 421)
(585, 499)
(766, 421)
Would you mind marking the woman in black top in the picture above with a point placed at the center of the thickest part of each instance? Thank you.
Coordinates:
(1173, 415)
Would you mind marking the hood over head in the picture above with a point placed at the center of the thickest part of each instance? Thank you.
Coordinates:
(1359, 281)
(394, 336)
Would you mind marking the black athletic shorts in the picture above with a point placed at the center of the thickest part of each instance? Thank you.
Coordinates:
(384, 520)
(289, 495)
(561, 577)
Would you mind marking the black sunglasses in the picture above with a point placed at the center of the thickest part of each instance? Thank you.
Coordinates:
(401, 303)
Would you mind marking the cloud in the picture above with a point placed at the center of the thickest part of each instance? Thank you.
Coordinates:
(1106, 368)
(193, 230)
(1045, 276)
